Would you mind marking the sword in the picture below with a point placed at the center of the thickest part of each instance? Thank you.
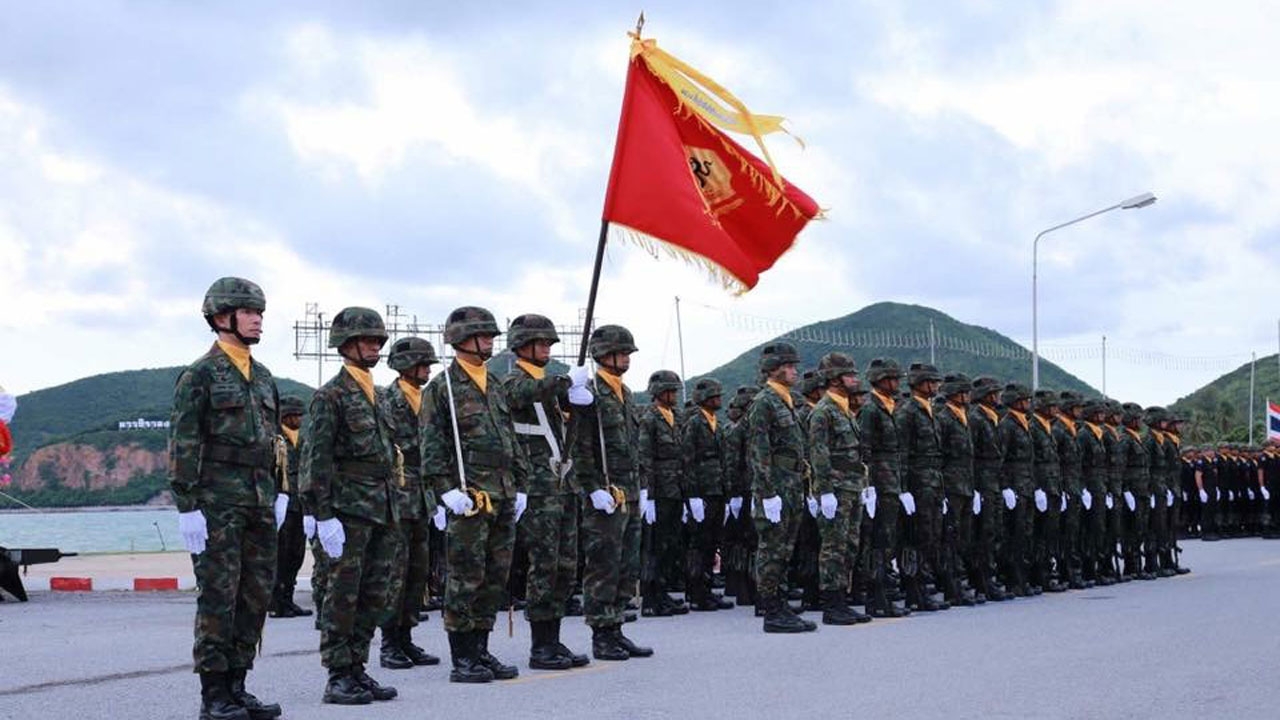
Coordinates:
(613, 490)
(479, 498)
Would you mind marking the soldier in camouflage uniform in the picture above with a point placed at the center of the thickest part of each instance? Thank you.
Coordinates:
(1018, 450)
(839, 477)
(778, 470)
(478, 469)
(546, 421)
(291, 540)
(1114, 500)
(222, 453)
(1137, 492)
(1066, 438)
(1161, 498)
(702, 447)
(988, 464)
(881, 450)
(1174, 466)
(1048, 493)
(952, 413)
(739, 535)
(661, 472)
(607, 464)
(1094, 468)
(348, 464)
(412, 358)
(804, 560)
(923, 498)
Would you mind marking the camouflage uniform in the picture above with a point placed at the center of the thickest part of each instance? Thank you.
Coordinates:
(1115, 536)
(1137, 482)
(1157, 539)
(808, 545)
(290, 540)
(882, 452)
(1066, 439)
(1048, 478)
(702, 448)
(738, 556)
(956, 443)
(222, 435)
(662, 472)
(988, 464)
(1095, 468)
(922, 458)
(1018, 450)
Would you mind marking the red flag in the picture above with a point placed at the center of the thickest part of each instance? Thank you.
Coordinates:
(679, 179)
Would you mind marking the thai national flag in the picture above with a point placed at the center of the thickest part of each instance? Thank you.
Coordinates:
(1273, 421)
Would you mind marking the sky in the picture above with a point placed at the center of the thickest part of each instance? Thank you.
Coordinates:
(432, 155)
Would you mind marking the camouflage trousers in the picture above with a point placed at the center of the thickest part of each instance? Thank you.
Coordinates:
(1048, 533)
(1137, 529)
(1019, 537)
(611, 563)
(776, 542)
(1160, 537)
(549, 529)
(291, 547)
(1069, 539)
(235, 574)
(1115, 542)
(840, 538)
(957, 534)
(1093, 534)
(660, 546)
(478, 552)
(356, 597)
(704, 540)
(319, 574)
(408, 582)
(988, 531)
(884, 526)
(925, 534)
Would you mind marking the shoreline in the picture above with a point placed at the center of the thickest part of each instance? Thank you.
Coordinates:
(86, 508)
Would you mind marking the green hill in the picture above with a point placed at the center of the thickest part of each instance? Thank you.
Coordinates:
(902, 332)
(1218, 412)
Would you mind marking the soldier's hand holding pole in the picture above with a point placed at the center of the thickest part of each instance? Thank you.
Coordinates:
(309, 526)
(601, 500)
(908, 502)
(194, 531)
(458, 502)
(772, 509)
(332, 537)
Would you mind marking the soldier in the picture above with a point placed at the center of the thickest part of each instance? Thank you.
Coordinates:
(777, 467)
(1173, 498)
(348, 462)
(922, 456)
(1018, 450)
(1047, 495)
(1114, 501)
(547, 428)
(740, 540)
(221, 455)
(1160, 499)
(1094, 468)
(988, 461)
(956, 442)
(291, 541)
(1067, 441)
(839, 477)
(607, 464)
(1210, 493)
(1137, 491)
(702, 446)
(412, 358)
(471, 458)
(804, 560)
(661, 472)
(881, 448)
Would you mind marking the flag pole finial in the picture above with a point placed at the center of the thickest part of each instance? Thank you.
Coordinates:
(639, 24)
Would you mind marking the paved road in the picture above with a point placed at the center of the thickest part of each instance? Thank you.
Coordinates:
(1203, 645)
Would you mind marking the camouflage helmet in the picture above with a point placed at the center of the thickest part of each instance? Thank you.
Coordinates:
(467, 322)
(984, 386)
(409, 352)
(882, 368)
(810, 382)
(292, 405)
(834, 364)
(528, 328)
(1113, 407)
(356, 322)
(1094, 407)
(956, 384)
(705, 389)
(1131, 412)
(663, 380)
(1014, 392)
(922, 372)
(775, 355)
(229, 294)
(1068, 400)
(1156, 414)
(743, 397)
(1045, 400)
(610, 339)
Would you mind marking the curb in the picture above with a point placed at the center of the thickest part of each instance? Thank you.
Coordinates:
(71, 584)
(156, 584)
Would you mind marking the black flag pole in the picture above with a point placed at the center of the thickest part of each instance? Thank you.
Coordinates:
(591, 297)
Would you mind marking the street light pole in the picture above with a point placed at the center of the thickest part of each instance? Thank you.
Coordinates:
(1138, 201)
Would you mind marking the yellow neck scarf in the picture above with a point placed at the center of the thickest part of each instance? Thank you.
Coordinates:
(885, 400)
(1133, 433)
(363, 378)
(535, 372)
(1097, 431)
(1043, 423)
(413, 394)
(477, 373)
(290, 434)
(1159, 436)
(783, 391)
(991, 414)
(1069, 423)
(928, 406)
(711, 418)
(1021, 418)
(841, 402)
(239, 357)
(1173, 438)
(666, 414)
(960, 414)
(613, 381)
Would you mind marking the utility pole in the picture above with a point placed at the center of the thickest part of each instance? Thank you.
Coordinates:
(1253, 372)
(680, 340)
(933, 359)
(1104, 368)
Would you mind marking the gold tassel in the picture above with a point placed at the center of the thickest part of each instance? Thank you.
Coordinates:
(282, 461)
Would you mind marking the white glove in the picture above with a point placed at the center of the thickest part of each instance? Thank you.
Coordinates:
(578, 375)
(281, 507)
(1086, 499)
(194, 531)
(1249, 492)
(1266, 494)
(1010, 500)
(869, 500)
(1042, 500)
(977, 503)
(439, 519)
(1152, 500)
(735, 506)
(684, 514)
(945, 507)
(458, 502)
(772, 509)
(580, 396)
(698, 508)
(1062, 507)
(332, 537)
(1204, 496)
(1110, 501)
(812, 502)
(1168, 498)
(603, 501)
(649, 510)
(1185, 497)
(522, 502)
(1231, 495)
(1130, 501)
(908, 502)
(1217, 493)
(309, 526)
(828, 503)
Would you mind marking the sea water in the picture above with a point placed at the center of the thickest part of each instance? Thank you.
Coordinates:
(97, 530)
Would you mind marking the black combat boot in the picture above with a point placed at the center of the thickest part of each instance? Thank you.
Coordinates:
(392, 655)
(415, 653)
(778, 617)
(625, 643)
(345, 689)
(917, 598)
(881, 606)
(257, 709)
(543, 654)
(500, 670)
(379, 692)
(835, 611)
(604, 646)
(575, 659)
(1168, 568)
(466, 665)
(295, 608)
(216, 700)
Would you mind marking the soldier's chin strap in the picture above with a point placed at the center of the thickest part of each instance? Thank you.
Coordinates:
(532, 361)
(234, 329)
(484, 356)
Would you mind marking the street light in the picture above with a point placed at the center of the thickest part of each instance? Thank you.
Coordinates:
(1137, 201)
